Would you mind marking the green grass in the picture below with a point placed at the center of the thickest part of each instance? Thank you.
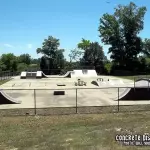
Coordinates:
(72, 132)
(4, 81)
(132, 77)
(127, 77)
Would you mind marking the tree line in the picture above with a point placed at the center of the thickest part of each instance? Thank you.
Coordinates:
(10, 62)
(129, 53)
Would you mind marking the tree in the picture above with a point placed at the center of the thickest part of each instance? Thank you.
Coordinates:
(9, 62)
(60, 60)
(35, 61)
(43, 64)
(146, 47)
(25, 58)
(120, 30)
(84, 44)
(108, 66)
(75, 55)
(49, 47)
(22, 67)
(93, 55)
(2, 66)
(53, 56)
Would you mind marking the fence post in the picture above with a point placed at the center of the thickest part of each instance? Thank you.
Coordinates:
(76, 101)
(148, 85)
(134, 83)
(34, 102)
(118, 99)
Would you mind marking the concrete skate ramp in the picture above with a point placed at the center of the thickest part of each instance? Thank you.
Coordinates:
(141, 91)
(143, 79)
(135, 94)
(67, 75)
(39, 74)
(84, 73)
(6, 99)
(73, 74)
(77, 73)
(109, 83)
(31, 75)
(92, 73)
(23, 75)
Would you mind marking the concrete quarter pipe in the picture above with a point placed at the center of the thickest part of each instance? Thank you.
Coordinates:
(135, 94)
(6, 99)
(74, 74)
(68, 74)
(141, 91)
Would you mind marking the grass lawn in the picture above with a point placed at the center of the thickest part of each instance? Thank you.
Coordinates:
(127, 77)
(132, 77)
(4, 81)
(72, 132)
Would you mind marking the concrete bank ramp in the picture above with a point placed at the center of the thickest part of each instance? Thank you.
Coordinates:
(23, 75)
(135, 94)
(140, 91)
(108, 83)
(68, 74)
(6, 99)
(31, 75)
(74, 74)
(84, 73)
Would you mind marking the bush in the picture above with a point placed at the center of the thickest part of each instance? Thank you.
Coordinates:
(22, 67)
(108, 67)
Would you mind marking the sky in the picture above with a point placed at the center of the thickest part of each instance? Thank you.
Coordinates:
(26, 23)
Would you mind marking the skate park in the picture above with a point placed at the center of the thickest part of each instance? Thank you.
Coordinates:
(76, 88)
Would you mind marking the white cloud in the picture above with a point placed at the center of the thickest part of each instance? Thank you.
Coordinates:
(8, 45)
(29, 46)
(20, 47)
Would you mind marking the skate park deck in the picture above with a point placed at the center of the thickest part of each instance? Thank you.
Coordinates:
(40, 91)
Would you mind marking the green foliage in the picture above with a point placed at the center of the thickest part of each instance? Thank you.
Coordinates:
(35, 61)
(9, 62)
(93, 55)
(53, 56)
(43, 64)
(120, 30)
(59, 61)
(2, 66)
(75, 55)
(22, 67)
(33, 67)
(146, 47)
(71, 65)
(49, 47)
(147, 59)
(84, 44)
(25, 58)
(108, 67)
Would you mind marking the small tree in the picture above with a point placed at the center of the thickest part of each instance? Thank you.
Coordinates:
(54, 58)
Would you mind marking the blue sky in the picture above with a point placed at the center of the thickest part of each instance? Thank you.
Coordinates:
(25, 24)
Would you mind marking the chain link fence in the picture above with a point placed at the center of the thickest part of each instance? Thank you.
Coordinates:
(72, 101)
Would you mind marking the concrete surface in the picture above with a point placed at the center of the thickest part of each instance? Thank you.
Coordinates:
(23, 90)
